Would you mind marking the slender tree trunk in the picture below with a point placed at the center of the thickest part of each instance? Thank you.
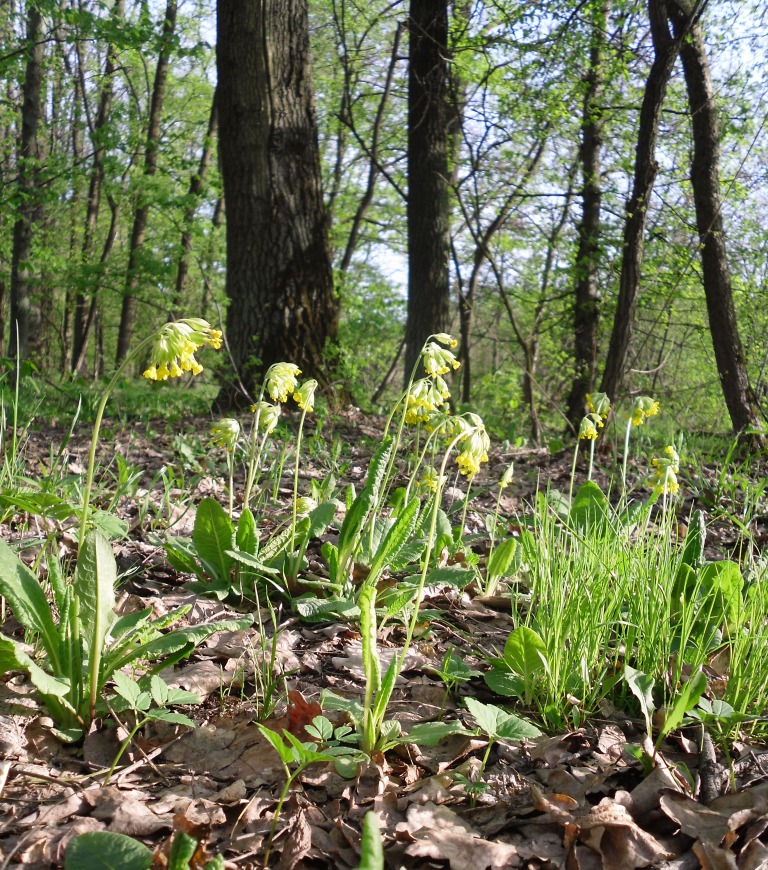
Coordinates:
(28, 172)
(283, 306)
(141, 213)
(586, 308)
(705, 179)
(87, 295)
(429, 309)
(665, 53)
(194, 193)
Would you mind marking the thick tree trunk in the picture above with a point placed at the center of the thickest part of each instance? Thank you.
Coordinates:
(429, 308)
(705, 179)
(86, 296)
(28, 172)
(586, 303)
(141, 213)
(282, 301)
(665, 53)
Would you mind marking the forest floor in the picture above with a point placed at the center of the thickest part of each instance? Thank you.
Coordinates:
(575, 799)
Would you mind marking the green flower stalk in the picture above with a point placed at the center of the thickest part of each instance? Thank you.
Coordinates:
(226, 433)
(305, 399)
(173, 349)
(642, 408)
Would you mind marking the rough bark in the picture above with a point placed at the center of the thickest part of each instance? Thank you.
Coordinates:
(141, 212)
(665, 53)
(586, 303)
(279, 282)
(429, 309)
(28, 186)
(705, 179)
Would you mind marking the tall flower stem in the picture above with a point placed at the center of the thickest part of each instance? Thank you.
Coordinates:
(97, 428)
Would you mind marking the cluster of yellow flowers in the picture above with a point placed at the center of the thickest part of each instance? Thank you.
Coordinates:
(642, 408)
(667, 468)
(173, 352)
(599, 408)
(430, 395)
(225, 433)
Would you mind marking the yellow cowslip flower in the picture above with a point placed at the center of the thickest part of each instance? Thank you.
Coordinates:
(173, 351)
(268, 415)
(225, 433)
(642, 407)
(437, 360)
(599, 403)
(415, 416)
(468, 463)
(305, 395)
(667, 468)
(430, 480)
(475, 446)
(506, 478)
(282, 380)
(589, 426)
(305, 505)
(446, 339)
(427, 393)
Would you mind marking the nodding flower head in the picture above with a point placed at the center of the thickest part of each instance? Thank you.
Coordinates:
(445, 339)
(225, 433)
(282, 381)
(667, 468)
(642, 408)
(437, 360)
(305, 395)
(427, 394)
(600, 404)
(590, 426)
(268, 415)
(174, 348)
(475, 445)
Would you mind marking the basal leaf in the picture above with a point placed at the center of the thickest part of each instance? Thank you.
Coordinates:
(525, 653)
(213, 535)
(105, 850)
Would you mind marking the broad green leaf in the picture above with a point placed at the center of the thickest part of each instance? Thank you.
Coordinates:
(131, 691)
(505, 683)
(688, 698)
(22, 591)
(320, 518)
(590, 509)
(104, 850)
(370, 653)
(286, 753)
(13, 657)
(502, 559)
(112, 527)
(171, 717)
(486, 715)
(511, 727)
(306, 754)
(371, 845)
(213, 535)
(95, 582)
(254, 562)
(723, 581)
(326, 609)
(431, 733)
(395, 539)
(192, 636)
(525, 653)
(247, 536)
(159, 690)
(641, 686)
(183, 849)
(693, 551)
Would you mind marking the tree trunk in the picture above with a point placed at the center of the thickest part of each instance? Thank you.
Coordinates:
(141, 213)
(86, 295)
(665, 53)
(586, 308)
(28, 172)
(429, 309)
(282, 301)
(705, 179)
